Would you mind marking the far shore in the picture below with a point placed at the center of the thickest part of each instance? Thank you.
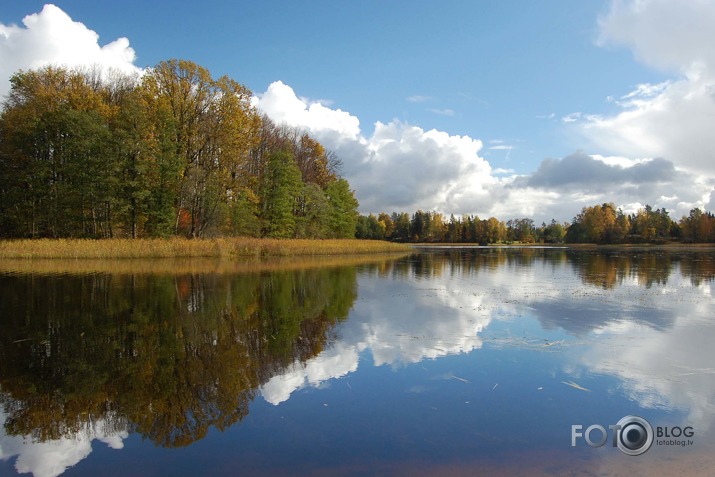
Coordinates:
(578, 246)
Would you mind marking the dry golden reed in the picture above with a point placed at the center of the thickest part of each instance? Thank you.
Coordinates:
(185, 248)
(186, 266)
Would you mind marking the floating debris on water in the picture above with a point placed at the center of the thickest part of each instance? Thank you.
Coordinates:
(575, 386)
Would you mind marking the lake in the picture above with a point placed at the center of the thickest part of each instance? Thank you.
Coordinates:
(448, 361)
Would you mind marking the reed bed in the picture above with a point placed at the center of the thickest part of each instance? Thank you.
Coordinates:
(188, 266)
(185, 248)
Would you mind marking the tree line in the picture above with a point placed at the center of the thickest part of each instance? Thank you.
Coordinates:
(606, 224)
(90, 153)
(603, 224)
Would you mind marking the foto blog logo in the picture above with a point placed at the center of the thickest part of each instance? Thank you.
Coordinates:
(633, 435)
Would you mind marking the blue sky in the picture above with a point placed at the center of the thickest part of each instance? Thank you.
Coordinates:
(460, 104)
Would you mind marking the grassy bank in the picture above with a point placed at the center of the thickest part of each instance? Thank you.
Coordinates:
(184, 248)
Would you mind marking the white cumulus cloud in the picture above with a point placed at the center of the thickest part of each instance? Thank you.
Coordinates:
(52, 37)
(664, 34)
(282, 105)
(402, 167)
(399, 166)
(672, 119)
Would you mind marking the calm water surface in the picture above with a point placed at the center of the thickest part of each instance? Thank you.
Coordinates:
(446, 362)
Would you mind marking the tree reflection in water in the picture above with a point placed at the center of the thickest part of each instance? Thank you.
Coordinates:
(162, 355)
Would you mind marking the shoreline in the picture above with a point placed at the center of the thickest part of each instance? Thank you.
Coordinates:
(238, 247)
(245, 247)
(576, 246)
(191, 265)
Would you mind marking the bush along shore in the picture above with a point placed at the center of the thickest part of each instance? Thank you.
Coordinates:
(180, 247)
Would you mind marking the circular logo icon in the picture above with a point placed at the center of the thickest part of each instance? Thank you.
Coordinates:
(634, 435)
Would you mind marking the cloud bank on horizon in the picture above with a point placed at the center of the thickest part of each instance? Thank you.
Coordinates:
(656, 149)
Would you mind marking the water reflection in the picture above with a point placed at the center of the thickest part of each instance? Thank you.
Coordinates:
(643, 318)
(87, 357)
(168, 356)
(51, 457)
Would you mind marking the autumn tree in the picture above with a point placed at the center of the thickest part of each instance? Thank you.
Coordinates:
(698, 226)
(96, 153)
(598, 224)
(213, 127)
(57, 171)
(387, 223)
(521, 230)
(494, 230)
(142, 170)
(650, 225)
(316, 164)
(553, 232)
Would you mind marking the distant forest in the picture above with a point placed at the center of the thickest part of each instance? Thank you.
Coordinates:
(601, 224)
(90, 153)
